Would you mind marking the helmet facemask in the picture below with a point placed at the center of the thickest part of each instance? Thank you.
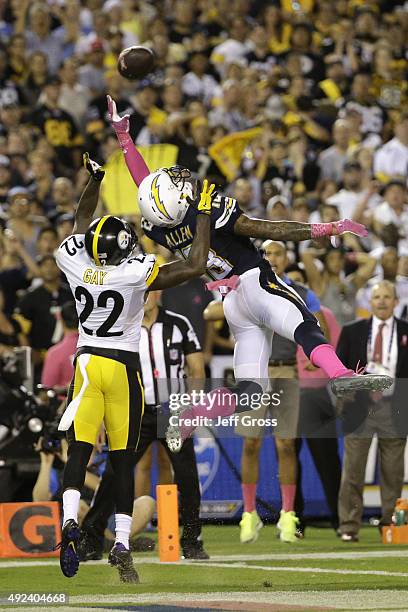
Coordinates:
(182, 179)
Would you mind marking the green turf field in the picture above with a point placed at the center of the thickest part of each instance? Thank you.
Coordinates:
(317, 573)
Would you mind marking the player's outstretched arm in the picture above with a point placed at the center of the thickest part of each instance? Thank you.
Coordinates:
(134, 161)
(90, 196)
(195, 265)
(292, 230)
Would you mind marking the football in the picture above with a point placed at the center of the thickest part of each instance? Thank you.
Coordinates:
(136, 62)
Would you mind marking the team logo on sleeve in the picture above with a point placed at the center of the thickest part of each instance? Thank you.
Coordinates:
(123, 239)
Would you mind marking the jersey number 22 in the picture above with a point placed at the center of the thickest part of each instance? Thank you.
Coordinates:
(102, 302)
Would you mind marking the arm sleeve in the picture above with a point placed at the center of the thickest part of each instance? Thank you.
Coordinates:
(141, 271)
(136, 164)
(64, 255)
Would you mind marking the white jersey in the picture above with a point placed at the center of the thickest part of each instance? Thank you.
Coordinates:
(109, 299)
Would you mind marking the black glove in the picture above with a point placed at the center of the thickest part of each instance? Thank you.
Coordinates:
(94, 169)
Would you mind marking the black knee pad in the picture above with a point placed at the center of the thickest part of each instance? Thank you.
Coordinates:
(79, 454)
(309, 335)
(244, 390)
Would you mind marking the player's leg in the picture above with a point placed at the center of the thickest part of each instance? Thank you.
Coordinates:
(123, 393)
(285, 389)
(103, 505)
(277, 306)
(251, 355)
(81, 439)
(142, 473)
(250, 523)
(352, 486)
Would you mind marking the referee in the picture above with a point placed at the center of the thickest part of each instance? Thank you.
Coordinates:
(168, 343)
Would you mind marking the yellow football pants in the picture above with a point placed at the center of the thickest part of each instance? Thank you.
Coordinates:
(114, 395)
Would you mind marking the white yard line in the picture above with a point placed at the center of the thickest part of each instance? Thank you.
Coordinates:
(232, 565)
(306, 570)
(254, 557)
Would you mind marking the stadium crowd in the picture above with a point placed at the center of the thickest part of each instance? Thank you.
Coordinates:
(298, 109)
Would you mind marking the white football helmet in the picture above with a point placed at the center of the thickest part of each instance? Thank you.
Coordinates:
(164, 196)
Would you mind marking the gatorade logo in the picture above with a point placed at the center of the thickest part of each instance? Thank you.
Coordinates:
(29, 529)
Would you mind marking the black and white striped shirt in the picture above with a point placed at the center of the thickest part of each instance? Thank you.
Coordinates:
(162, 349)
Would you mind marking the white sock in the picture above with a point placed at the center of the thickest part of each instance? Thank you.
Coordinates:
(70, 503)
(123, 523)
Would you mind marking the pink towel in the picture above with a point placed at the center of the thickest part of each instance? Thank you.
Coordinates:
(224, 285)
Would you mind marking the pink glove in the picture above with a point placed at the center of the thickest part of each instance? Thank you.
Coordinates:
(318, 230)
(119, 124)
(134, 161)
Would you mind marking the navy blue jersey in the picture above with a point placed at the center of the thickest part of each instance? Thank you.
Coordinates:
(229, 253)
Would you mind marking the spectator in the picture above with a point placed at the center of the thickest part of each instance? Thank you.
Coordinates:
(37, 312)
(378, 345)
(74, 97)
(243, 192)
(20, 221)
(38, 35)
(347, 199)
(229, 113)
(393, 211)
(198, 83)
(41, 178)
(361, 101)
(37, 77)
(335, 291)
(10, 93)
(391, 160)
(96, 115)
(17, 58)
(390, 265)
(278, 30)
(48, 486)
(58, 367)
(58, 126)
(301, 43)
(234, 48)
(279, 170)
(64, 225)
(333, 159)
(47, 241)
(283, 373)
(63, 198)
(144, 105)
(335, 87)
(91, 74)
(260, 58)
